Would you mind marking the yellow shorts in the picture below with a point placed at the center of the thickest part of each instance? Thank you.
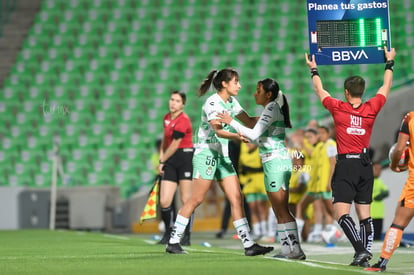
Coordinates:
(253, 183)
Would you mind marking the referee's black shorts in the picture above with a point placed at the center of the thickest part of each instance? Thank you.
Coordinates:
(179, 166)
(352, 181)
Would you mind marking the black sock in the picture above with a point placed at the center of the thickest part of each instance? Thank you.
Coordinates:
(349, 228)
(167, 217)
(366, 233)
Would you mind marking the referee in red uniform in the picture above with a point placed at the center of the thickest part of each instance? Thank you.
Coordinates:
(176, 166)
(353, 177)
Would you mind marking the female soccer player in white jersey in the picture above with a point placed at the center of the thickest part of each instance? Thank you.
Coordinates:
(269, 132)
(211, 160)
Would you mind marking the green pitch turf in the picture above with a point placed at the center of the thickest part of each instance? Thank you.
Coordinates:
(72, 252)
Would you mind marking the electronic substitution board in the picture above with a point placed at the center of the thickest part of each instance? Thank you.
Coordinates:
(348, 31)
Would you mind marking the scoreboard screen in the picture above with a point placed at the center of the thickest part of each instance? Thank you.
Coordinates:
(348, 32)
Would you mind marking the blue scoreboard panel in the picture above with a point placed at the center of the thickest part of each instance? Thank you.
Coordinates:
(348, 31)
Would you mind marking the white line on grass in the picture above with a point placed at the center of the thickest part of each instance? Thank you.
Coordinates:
(150, 242)
(313, 263)
(58, 257)
(327, 262)
(117, 237)
(199, 250)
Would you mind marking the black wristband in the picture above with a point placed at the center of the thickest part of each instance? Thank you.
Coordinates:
(314, 71)
(389, 65)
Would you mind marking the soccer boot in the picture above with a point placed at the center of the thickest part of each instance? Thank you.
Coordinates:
(292, 256)
(376, 268)
(361, 259)
(257, 249)
(174, 248)
(220, 234)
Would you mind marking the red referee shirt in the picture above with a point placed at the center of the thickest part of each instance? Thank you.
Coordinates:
(353, 126)
(181, 124)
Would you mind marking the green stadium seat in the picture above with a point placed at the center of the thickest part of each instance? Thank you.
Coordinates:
(84, 104)
(103, 166)
(109, 140)
(49, 16)
(43, 180)
(76, 173)
(36, 43)
(22, 180)
(25, 169)
(123, 179)
(106, 59)
(107, 155)
(99, 179)
(31, 155)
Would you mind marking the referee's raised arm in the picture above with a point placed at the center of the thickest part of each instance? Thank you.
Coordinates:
(316, 79)
(389, 67)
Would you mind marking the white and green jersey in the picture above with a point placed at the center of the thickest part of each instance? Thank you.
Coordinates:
(206, 137)
(269, 133)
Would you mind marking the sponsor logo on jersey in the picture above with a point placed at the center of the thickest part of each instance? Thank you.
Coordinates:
(355, 131)
(355, 126)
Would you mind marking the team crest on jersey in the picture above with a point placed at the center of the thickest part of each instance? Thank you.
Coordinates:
(209, 171)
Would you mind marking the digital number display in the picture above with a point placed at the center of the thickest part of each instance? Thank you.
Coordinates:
(362, 32)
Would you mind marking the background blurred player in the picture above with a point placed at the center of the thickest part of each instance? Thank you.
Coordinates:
(405, 207)
(175, 163)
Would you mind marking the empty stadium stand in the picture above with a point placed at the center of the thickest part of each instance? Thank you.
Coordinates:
(95, 76)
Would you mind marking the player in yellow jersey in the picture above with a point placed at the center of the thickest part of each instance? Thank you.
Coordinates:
(322, 163)
(379, 193)
(326, 167)
(298, 181)
(251, 176)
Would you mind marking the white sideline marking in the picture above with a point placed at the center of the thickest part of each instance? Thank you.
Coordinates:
(116, 237)
(313, 263)
(150, 242)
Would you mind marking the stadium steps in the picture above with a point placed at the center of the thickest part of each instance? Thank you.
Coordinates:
(14, 33)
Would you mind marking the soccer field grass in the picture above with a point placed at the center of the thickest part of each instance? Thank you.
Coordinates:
(73, 252)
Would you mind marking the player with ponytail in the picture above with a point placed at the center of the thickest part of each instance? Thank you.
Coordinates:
(211, 159)
(269, 133)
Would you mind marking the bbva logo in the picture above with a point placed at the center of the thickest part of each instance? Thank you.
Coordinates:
(348, 55)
